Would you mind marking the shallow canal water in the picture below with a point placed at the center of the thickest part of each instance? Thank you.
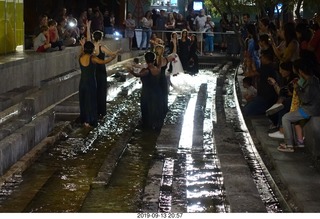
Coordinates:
(63, 178)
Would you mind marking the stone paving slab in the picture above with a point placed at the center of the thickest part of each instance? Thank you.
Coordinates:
(295, 170)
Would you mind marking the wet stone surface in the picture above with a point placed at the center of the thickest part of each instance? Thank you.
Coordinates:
(190, 166)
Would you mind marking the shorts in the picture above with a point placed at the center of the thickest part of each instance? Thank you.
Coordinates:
(200, 37)
(41, 49)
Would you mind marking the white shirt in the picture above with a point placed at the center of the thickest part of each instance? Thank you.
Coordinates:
(199, 22)
(208, 28)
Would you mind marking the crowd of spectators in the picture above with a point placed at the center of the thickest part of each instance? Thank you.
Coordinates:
(283, 65)
(63, 30)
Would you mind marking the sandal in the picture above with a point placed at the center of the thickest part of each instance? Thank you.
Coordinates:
(285, 148)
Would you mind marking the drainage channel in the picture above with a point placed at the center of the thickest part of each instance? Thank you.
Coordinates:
(269, 192)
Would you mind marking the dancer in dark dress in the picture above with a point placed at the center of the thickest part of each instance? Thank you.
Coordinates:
(183, 49)
(88, 85)
(152, 109)
(101, 52)
(193, 57)
(154, 96)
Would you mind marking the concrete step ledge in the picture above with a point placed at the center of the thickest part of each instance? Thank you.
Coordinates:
(17, 144)
(53, 93)
(12, 125)
(15, 96)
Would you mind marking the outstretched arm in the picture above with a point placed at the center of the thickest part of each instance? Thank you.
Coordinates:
(105, 61)
(88, 25)
(142, 73)
(107, 51)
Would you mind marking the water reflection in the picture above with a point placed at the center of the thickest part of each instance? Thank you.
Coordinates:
(190, 180)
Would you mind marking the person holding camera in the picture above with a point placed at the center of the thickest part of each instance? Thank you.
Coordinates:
(65, 33)
(209, 36)
(284, 89)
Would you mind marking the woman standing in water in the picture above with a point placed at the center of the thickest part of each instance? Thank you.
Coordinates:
(101, 52)
(154, 94)
(88, 85)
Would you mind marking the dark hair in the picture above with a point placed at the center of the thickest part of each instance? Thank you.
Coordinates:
(253, 31)
(246, 14)
(306, 33)
(264, 38)
(88, 47)
(289, 32)
(136, 60)
(287, 66)
(265, 21)
(247, 80)
(52, 22)
(150, 57)
(304, 65)
(267, 54)
(44, 28)
(97, 35)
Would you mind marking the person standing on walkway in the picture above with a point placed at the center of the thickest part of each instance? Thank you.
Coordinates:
(88, 84)
(170, 26)
(101, 52)
(130, 25)
(108, 28)
(199, 23)
(160, 24)
(209, 39)
(225, 26)
(147, 24)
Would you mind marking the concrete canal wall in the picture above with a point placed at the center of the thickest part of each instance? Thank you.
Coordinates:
(31, 85)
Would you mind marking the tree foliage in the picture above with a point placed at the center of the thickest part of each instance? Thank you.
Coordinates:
(260, 8)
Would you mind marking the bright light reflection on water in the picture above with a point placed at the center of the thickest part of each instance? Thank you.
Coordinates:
(203, 175)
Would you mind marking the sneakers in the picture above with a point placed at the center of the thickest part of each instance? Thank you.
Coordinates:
(273, 128)
(285, 148)
(274, 109)
(277, 134)
(300, 144)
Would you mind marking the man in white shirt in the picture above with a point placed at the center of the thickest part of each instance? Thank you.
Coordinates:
(199, 23)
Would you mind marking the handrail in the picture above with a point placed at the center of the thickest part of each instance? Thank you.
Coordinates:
(189, 32)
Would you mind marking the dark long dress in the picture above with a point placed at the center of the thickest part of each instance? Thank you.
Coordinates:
(183, 52)
(152, 104)
(194, 67)
(101, 76)
(88, 94)
(164, 84)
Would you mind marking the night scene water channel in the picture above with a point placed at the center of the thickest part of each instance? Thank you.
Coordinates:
(120, 168)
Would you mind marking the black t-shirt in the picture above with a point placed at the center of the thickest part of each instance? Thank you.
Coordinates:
(107, 21)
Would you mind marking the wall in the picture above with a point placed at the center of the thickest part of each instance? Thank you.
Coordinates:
(11, 25)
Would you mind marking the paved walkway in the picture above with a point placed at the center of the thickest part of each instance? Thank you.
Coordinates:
(295, 171)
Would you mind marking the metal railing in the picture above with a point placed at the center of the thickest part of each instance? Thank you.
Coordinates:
(230, 38)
